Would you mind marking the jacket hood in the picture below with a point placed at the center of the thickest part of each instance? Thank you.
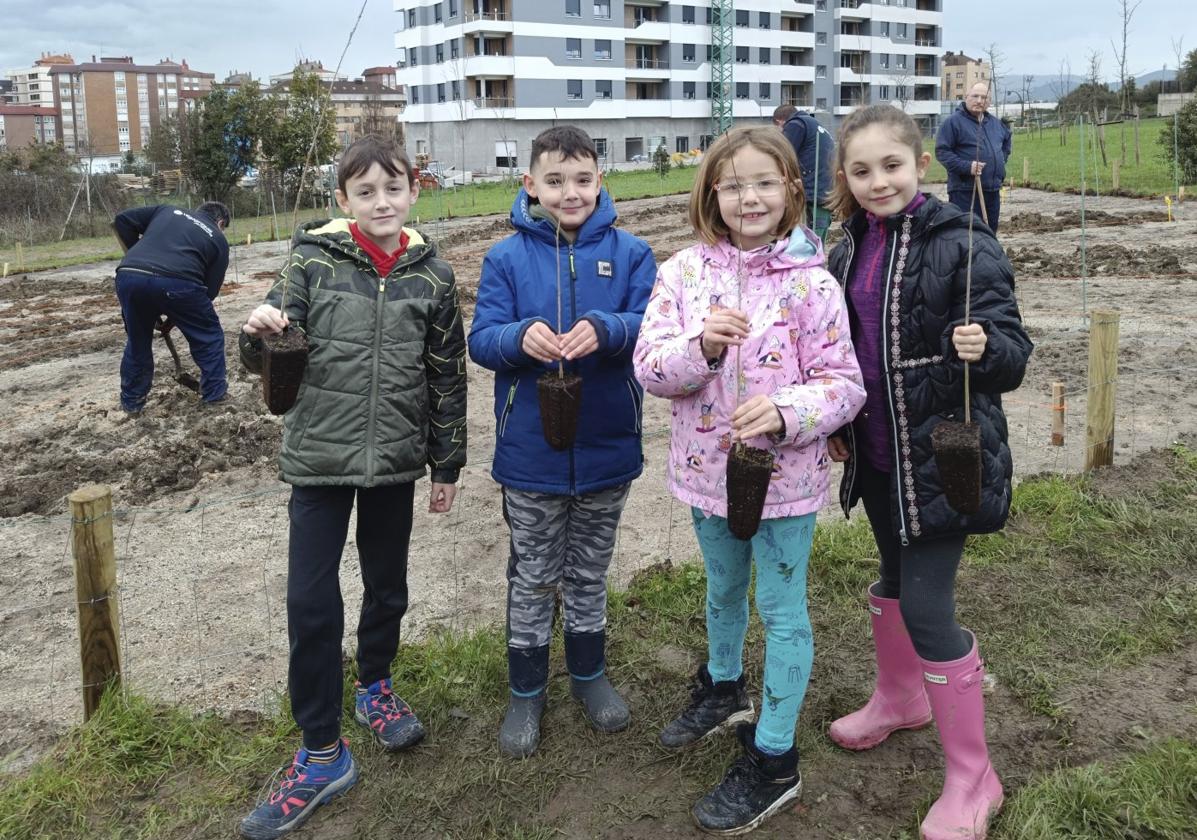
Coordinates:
(529, 217)
(771, 257)
(334, 234)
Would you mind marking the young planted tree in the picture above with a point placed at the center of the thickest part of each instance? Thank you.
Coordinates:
(996, 59)
(162, 150)
(300, 130)
(1126, 82)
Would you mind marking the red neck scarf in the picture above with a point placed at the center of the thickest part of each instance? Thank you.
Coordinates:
(383, 261)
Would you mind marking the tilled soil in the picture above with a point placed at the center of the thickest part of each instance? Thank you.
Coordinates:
(201, 522)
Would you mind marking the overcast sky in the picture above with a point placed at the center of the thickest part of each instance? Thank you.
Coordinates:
(266, 37)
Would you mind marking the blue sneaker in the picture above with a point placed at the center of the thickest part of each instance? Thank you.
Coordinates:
(391, 721)
(302, 788)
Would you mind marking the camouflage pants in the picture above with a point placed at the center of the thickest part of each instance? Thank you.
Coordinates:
(780, 551)
(561, 542)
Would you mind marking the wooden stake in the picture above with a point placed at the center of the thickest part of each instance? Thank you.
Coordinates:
(20, 257)
(249, 239)
(1026, 171)
(6, 269)
(95, 586)
(1103, 380)
(1057, 414)
(1180, 194)
(1116, 178)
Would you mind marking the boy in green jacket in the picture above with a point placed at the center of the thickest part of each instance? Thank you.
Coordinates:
(382, 399)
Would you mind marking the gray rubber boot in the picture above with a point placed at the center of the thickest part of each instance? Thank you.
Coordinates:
(528, 674)
(605, 709)
(519, 736)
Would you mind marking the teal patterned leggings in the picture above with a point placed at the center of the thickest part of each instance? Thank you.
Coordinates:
(781, 549)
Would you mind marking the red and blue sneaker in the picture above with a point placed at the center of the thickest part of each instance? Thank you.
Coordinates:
(391, 721)
(294, 792)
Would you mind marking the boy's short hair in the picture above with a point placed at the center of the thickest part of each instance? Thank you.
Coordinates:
(369, 150)
(571, 141)
(216, 211)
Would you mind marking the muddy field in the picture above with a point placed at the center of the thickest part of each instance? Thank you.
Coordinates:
(201, 526)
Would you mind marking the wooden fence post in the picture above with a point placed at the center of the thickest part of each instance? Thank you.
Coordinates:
(95, 586)
(1026, 171)
(1116, 178)
(1103, 380)
(1057, 414)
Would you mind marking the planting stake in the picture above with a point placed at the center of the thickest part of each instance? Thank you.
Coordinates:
(95, 588)
(1057, 414)
(1103, 380)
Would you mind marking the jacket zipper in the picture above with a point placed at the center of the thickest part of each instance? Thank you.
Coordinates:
(850, 483)
(636, 407)
(507, 408)
(889, 388)
(573, 316)
(372, 422)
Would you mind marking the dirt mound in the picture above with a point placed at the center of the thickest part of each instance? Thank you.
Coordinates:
(169, 448)
(1101, 260)
(1062, 219)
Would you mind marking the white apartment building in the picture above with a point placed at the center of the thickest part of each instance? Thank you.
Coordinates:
(484, 77)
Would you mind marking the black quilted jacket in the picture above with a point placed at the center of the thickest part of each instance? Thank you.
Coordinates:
(927, 252)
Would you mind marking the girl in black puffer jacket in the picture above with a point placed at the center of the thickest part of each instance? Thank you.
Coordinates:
(903, 263)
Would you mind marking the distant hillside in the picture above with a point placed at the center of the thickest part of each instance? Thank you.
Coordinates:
(1048, 88)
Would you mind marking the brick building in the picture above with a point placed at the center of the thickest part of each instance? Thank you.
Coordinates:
(21, 125)
(960, 73)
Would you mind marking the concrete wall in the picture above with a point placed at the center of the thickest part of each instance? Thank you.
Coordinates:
(1169, 103)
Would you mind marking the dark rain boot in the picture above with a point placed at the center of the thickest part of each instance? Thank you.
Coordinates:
(757, 786)
(585, 656)
(528, 673)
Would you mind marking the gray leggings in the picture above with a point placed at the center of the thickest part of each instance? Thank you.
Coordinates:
(922, 575)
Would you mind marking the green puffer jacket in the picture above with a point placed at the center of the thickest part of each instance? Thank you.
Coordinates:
(384, 393)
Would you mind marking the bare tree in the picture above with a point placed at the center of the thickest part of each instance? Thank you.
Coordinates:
(1096, 85)
(902, 82)
(996, 58)
(1178, 50)
(1060, 89)
(1128, 11)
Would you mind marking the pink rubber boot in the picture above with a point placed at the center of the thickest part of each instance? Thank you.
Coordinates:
(899, 700)
(972, 792)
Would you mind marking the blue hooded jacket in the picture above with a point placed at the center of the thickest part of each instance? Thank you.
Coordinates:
(956, 149)
(805, 134)
(606, 277)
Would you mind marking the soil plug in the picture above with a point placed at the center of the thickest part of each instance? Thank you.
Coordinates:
(958, 458)
(560, 397)
(284, 359)
(749, 471)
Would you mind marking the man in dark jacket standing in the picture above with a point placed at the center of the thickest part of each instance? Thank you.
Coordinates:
(815, 148)
(174, 265)
(973, 142)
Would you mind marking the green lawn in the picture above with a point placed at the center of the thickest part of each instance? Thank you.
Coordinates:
(1056, 167)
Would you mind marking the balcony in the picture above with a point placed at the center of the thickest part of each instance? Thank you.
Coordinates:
(853, 9)
(791, 57)
(487, 22)
(493, 102)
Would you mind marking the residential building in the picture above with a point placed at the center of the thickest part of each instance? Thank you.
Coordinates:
(484, 77)
(362, 106)
(32, 85)
(110, 106)
(21, 125)
(308, 67)
(960, 73)
(7, 92)
(233, 82)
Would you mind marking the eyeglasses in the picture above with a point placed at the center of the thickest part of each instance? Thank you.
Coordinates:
(765, 188)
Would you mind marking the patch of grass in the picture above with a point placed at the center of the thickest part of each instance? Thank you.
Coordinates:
(1080, 583)
(1056, 167)
(1149, 794)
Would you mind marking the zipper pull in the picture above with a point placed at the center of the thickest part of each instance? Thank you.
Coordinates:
(572, 272)
(382, 284)
(511, 394)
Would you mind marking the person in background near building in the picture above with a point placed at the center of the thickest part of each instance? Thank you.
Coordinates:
(174, 266)
(814, 146)
(973, 142)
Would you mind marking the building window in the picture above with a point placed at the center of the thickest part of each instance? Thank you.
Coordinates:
(741, 55)
(741, 18)
(573, 88)
(688, 90)
(573, 8)
(883, 60)
(633, 148)
(600, 147)
(765, 55)
(884, 29)
(602, 50)
(820, 5)
(436, 13)
(688, 53)
(452, 8)
(741, 90)
(900, 62)
(821, 71)
(681, 143)
(411, 18)
(414, 55)
(902, 31)
(883, 93)
(415, 95)
(602, 9)
(573, 48)
(821, 39)
(440, 53)
(454, 50)
(766, 91)
(440, 92)
(687, 14)
(764, 20)
(602, 89)
(821, 103)
(456, 90)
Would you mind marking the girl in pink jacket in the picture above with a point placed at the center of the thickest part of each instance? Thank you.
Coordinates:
(748, 335)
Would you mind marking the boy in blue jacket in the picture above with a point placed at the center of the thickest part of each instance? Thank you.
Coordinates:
(562, 507)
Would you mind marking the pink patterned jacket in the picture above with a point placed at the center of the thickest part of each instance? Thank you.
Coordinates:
(798, 351)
